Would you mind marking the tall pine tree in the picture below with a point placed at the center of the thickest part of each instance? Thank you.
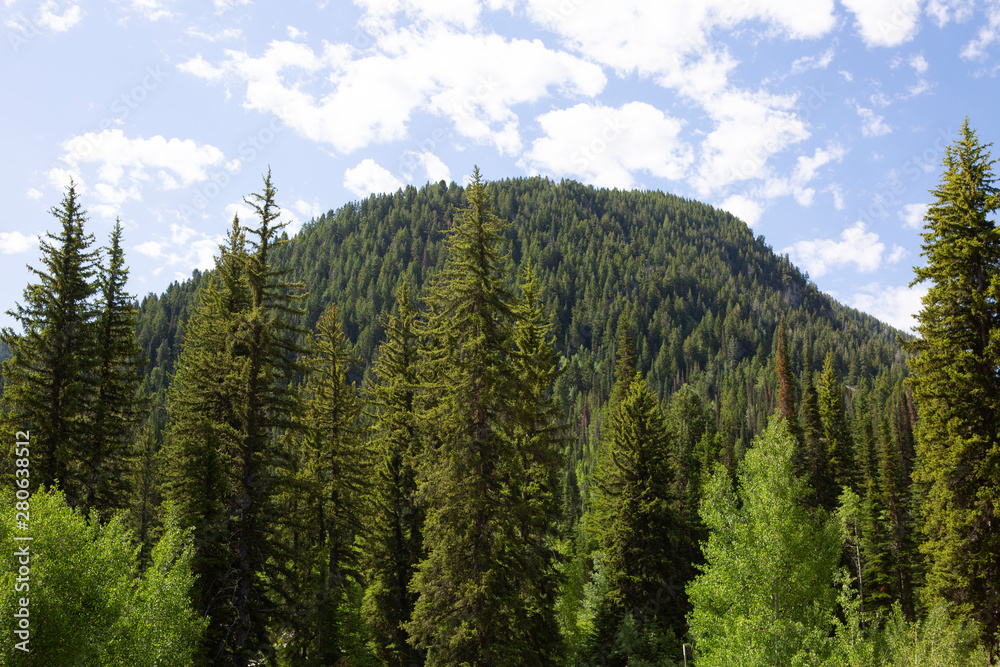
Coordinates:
(956, 384)
(50, 377)
(475, 475)
(232, 392)
(395, 544)
(118, 409)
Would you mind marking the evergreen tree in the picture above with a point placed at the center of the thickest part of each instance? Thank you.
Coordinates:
(642, 533)
(395, 545)
(475, 476)
(836, 436)
(331, 505)
(231, 392)
(49, 380)
(539, 437)
(118, 409)
(786, 389)
(956, 384)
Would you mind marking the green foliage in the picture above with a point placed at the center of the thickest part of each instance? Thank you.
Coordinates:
(395, 544)
(88, 603)
(118, 409)
(888, 639)
(231, 393)
(644, 537)
(327, 503)
(956, 383)
(764, 596)
(485, 592)
(49, 380)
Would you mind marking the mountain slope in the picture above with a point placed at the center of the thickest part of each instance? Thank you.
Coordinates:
(700, 295)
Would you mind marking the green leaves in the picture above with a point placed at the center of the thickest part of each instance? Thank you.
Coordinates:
(956, 383)
(764, 596)
(89, 604)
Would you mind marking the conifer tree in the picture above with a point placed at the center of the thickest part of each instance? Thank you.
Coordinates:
(786, 389)
(202, 444)
(231, 392)
(332, 482)
(646, 546)
(118, 409)
(475, 472)
(49, 380)
(956, 384)
(539, 436)
(395, 544)
(836, 436)
(817, 471)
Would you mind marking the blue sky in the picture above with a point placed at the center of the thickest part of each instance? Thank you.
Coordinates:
(820, 124)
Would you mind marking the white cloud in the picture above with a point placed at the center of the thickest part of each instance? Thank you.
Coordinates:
(987, 35)
(912, 215)
(856, 246)
(744, 208)
(606, 146)
(874, 125)
(114, 153)
(15, 242)
(434, 167)
(751, 127)
(150, 249)
(806, 169)
(944, 11)
(49, 16)
(354, 109)
(151, 10)
(895, 305)
(222, 35)
(368, 177)
(806, 63)
(202, 69)
(664, 38)
(380, 14)
(295, 33)
(918, 63)
(848, 77)
(885, 22)
(33, 194)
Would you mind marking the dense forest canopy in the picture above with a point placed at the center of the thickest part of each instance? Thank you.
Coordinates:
(521, 422)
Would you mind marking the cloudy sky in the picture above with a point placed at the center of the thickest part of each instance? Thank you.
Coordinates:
(821, 124)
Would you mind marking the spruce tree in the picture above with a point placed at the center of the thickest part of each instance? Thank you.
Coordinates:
(334, 474)
(231, 393)
(642, 534)
(837, 443)
(956, 384)
(117, 412)
(786, 390)
(475, 475)
(202, 443)
(395, 544)
(539, 436)
(49, 380)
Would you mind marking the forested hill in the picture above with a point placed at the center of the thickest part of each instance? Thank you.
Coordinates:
(700, 295)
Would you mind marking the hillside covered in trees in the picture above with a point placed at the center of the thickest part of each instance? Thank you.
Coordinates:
(517, 423)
